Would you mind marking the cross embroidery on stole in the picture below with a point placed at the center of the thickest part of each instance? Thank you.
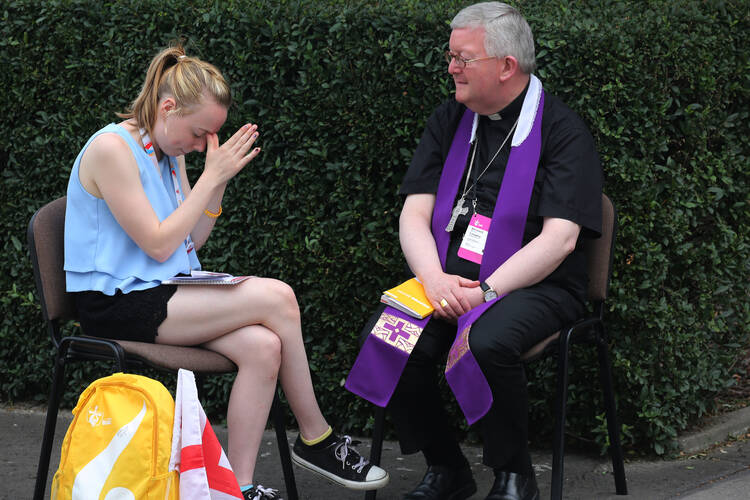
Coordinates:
(395, 331)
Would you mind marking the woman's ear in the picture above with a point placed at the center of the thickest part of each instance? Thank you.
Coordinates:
(167, 106)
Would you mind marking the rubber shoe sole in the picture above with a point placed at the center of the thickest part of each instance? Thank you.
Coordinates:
(346, 483)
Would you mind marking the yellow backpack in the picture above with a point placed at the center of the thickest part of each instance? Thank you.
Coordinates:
(119, 443)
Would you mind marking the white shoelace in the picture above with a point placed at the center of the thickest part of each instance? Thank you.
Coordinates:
(342, 451)
(261, 493)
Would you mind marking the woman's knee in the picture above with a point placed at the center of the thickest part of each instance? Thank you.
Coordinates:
(260, 348)
(278, 296)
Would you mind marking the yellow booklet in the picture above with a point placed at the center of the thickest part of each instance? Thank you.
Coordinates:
(408, 297)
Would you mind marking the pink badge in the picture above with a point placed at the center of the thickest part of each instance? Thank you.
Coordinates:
(472, 245)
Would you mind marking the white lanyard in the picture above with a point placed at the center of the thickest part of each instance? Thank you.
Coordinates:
(149, 147)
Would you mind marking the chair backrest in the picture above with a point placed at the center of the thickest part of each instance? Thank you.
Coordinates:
(599, 254)
(47, 249)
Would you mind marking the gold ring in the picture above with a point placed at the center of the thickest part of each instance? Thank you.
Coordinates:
(443, 302)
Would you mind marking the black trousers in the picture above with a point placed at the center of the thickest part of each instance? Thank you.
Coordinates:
(504, 332)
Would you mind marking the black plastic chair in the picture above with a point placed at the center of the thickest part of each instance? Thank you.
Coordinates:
(588, 330)
(46, 247)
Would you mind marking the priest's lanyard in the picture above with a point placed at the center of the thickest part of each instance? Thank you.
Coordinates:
(149, 147)
(460, 209)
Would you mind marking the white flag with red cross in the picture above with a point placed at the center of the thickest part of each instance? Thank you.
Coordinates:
(205, 472)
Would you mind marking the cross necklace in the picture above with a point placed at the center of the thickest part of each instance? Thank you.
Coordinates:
(460, 209)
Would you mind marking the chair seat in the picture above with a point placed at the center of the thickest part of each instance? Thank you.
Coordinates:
(168, 357)
(539, 348)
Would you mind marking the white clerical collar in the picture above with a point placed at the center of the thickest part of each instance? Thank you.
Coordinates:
(495, 116)
(526, 118)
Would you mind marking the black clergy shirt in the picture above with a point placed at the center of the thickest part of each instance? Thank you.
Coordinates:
(568, 183)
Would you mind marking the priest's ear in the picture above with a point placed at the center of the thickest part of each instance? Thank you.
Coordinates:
(507, 66)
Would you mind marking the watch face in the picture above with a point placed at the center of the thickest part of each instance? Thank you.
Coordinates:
(489, 295)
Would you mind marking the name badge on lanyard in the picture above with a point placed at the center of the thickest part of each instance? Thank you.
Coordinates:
(149, 147)
(475, 237)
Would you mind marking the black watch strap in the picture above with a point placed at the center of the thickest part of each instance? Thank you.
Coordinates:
(488, 291)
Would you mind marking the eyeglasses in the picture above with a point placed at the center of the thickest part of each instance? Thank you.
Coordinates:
(461, 62)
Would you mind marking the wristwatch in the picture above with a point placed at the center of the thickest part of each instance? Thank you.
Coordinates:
(489, 293)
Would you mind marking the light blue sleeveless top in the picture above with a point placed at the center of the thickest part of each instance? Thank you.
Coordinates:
(99, 255)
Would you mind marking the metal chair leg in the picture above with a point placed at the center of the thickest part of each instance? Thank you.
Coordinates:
(277, 416)
(615, 447)
(377, 445)
(49, 427)
(561, 404)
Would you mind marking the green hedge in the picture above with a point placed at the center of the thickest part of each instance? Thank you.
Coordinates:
(341, 91)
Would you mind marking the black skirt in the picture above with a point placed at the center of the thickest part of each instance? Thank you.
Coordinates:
(124, 316)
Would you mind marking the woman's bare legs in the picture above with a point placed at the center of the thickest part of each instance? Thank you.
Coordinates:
(257, 353)
(256, 324)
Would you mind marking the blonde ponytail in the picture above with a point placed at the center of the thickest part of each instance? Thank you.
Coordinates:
(188, 80)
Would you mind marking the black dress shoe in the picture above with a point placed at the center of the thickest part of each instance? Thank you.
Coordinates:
(512, 486)
(444, 483)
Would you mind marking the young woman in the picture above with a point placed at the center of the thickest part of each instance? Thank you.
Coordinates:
(133, 220)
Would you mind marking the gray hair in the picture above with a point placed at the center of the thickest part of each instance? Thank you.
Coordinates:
(506, 31)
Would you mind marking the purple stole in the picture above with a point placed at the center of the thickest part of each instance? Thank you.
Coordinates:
(386, 350)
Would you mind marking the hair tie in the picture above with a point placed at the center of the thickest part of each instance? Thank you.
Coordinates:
(183, 56)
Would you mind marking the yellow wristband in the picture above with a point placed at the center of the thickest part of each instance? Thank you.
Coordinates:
(213, 215)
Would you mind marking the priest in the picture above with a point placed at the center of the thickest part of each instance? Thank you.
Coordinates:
(503, 188)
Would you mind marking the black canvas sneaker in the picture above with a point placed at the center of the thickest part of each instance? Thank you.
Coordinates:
(341, 463)
(258, 492)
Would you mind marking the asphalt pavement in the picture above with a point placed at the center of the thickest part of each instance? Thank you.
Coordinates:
(714, 464)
